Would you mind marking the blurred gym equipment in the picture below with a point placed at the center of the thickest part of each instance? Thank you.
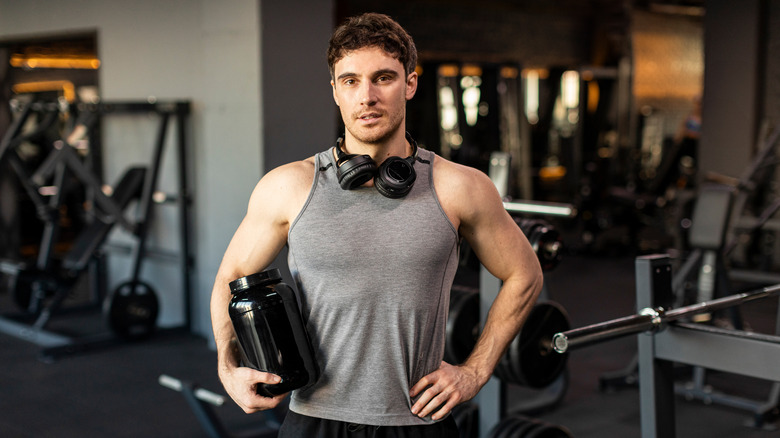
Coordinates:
(40, 288)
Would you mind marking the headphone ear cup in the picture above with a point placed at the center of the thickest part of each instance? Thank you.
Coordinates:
(355, 171)
(395, 177)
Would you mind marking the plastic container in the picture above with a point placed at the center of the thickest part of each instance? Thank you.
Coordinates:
(270, 331)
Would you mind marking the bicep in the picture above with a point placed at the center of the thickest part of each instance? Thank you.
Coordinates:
(259, 237)
(253, 247)
(497, 240)
(275, 201)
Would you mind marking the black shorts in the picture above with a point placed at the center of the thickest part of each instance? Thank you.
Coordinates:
(298, 426)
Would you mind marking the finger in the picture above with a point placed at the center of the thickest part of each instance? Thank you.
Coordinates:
(262, 403)
(257, 376)
(439, 399)
(446, 409)
(424, 399)
(422, 384)
(269, 378)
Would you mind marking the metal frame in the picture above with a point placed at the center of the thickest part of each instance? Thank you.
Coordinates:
(65, 158)
(692, 344)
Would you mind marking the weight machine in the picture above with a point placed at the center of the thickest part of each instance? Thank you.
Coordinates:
(131, 310)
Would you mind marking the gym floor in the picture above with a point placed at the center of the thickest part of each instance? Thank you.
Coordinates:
(114, 391)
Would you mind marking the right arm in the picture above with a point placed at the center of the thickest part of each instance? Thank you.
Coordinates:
(275, 202)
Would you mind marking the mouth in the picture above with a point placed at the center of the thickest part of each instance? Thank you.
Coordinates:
(368, 117)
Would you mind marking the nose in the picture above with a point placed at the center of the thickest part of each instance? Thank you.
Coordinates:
(368, 94)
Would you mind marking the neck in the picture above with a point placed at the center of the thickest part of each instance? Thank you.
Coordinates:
(396, 145)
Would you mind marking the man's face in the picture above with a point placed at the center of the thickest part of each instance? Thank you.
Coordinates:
(371, 90)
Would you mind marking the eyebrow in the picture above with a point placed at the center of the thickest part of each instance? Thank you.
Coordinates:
(384, 71)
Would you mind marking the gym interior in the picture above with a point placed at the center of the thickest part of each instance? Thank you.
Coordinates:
(633, 141)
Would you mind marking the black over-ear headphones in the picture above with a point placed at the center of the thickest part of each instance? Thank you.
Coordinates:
(393, 179)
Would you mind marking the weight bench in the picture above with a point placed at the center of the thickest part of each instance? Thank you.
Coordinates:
(202, 402)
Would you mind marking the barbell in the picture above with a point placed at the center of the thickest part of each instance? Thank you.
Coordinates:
(650, 319)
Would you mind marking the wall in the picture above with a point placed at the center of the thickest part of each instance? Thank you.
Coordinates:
(550, 33)
(256, 104)
(203, 51)
(730, 102)
(300, 115)
(772, 76)
(668, 57)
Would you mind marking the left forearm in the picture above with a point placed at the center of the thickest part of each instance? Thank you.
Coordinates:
(505, 318)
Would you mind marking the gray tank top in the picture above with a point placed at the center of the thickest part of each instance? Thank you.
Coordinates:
(374, 276)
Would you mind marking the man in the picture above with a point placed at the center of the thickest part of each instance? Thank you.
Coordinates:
(373, 269)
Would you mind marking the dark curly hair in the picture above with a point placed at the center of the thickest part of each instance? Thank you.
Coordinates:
(372, 30)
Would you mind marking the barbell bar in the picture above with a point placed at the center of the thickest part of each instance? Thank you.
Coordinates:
(650, 319)
(541, 208)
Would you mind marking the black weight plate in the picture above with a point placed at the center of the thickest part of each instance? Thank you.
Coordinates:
(508, 369)
(502, 371)
(545, 241)
(462, 325)
(535, 364)
(466, 416)
(527, 426)
(504, 427)
(514, 425)
(507, 362)
(131, 310)
(457, 297)
(549, 431)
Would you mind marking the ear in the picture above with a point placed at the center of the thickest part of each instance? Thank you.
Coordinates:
(333, 87)
(411, 85)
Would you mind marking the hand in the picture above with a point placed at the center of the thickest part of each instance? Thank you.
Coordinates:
(446, 388)
(240, 384)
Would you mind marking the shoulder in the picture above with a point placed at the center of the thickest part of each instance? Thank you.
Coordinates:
(290, 176)
(463, 191)
(284, 190)
(458, 174)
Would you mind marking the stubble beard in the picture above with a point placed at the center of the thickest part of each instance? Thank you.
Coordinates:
(378, 134)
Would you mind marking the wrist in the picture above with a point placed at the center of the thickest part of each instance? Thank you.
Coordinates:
(480, 372)
(228, 357)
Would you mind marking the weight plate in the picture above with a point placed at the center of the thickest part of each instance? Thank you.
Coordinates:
(528, 425)
(513, 424)
(503, 369)
(462, 325)
(131, 310)
(547, 430)
(456, 299)
(508, 369)
(545, 240)
(534, 362)
(466, 416)
(503, 427)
